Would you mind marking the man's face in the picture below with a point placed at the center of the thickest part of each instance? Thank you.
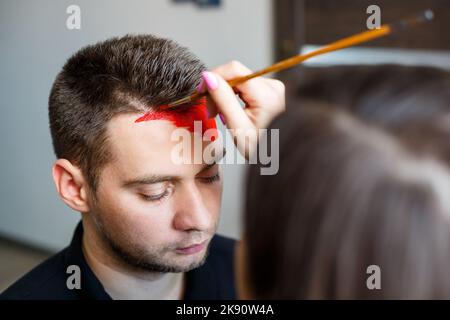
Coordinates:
(149, 209)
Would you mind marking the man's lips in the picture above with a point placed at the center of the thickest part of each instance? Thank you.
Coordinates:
(193, 248)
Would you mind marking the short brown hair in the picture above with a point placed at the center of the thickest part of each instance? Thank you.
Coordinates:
(129, 74)
(361, 151)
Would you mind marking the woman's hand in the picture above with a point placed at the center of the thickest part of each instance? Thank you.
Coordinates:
(264, 99)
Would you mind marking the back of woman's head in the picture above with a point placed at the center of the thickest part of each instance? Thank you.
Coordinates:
(364, 180)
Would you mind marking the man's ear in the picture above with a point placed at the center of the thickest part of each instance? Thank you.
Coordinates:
(71, 185)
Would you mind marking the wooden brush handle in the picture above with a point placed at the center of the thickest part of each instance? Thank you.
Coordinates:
(290, 62)
(337, 45)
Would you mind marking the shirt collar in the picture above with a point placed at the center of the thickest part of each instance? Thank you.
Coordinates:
(199, 282)
(91, 287)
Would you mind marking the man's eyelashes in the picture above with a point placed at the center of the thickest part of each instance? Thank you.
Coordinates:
(157, 197)
(161, 196)
(211, 179)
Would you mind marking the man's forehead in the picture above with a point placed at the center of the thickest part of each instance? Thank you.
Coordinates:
(139, 147)
(136, 140)
(184, 116)
(125, 125)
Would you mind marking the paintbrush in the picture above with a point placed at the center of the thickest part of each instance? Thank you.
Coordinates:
(353, 40)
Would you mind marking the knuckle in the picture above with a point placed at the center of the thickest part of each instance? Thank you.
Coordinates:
(235, 64)
(238, 68)
(232, 69)
(279, 85)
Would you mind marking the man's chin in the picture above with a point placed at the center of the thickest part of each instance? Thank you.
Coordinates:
(176, 264)
(189, 262)
(173, 261)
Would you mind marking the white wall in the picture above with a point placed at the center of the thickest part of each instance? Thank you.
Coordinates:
(35, 44)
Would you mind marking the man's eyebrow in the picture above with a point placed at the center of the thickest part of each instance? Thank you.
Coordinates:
(150, 179)
(154, 178)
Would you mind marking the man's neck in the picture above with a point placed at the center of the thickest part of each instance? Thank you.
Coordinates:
(122, 282)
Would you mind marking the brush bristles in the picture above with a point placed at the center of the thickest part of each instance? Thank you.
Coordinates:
(179, 102)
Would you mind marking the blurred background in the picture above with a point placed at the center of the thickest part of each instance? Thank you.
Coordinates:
(35, 42)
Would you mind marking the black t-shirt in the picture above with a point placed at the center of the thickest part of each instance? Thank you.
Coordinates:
(213, 280)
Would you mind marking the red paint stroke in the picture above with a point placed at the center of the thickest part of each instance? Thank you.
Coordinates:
(184, 116)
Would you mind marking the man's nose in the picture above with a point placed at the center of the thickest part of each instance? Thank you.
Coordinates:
(191, 211)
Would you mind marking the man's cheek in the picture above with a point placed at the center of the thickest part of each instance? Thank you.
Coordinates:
(143, 231)
(149, 224)
(121, 212)
(129, 204)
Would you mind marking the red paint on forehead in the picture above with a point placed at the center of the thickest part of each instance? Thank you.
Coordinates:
(183, 117)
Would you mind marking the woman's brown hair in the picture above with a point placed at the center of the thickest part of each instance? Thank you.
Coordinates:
(364, 180)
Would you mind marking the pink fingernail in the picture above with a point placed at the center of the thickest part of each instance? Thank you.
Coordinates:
(222, 118)
(201, 86)
(210, 79)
